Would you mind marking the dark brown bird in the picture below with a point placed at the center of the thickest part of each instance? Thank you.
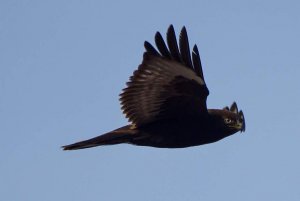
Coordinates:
(165, 101)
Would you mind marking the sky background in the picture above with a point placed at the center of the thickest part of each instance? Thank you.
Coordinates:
(63, 64)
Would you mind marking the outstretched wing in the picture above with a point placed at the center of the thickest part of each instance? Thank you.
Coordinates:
(233, 108)
(168, 84)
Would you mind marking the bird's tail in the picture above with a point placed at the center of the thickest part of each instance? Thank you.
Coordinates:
(120, 135)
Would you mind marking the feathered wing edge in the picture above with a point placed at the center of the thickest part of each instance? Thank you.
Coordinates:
(170, 51)
(180, 54)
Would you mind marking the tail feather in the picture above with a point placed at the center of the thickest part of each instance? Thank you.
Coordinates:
(121, 135)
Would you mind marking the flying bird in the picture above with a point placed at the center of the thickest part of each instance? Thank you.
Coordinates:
(165, 101)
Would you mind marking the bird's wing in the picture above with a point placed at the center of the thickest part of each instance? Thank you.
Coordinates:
(168, 84)
(233, 108)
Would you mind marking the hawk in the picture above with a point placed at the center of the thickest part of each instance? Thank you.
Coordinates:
(165, 101)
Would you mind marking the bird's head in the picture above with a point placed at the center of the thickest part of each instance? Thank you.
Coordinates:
(229, 120)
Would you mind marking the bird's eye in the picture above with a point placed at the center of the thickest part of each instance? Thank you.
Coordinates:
(227, 121)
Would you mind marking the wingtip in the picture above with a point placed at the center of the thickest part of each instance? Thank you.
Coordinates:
(234, 107)
(226, 108)
(195, 50)
(171, 27)
(242, 117)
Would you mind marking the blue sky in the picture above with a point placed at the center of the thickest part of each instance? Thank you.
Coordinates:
(63, 64)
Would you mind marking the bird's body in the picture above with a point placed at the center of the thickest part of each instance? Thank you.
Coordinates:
(165, 100)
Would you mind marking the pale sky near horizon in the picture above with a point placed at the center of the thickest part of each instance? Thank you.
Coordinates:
(63, 64)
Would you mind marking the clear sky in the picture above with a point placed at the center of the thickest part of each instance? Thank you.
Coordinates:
(63, 64)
